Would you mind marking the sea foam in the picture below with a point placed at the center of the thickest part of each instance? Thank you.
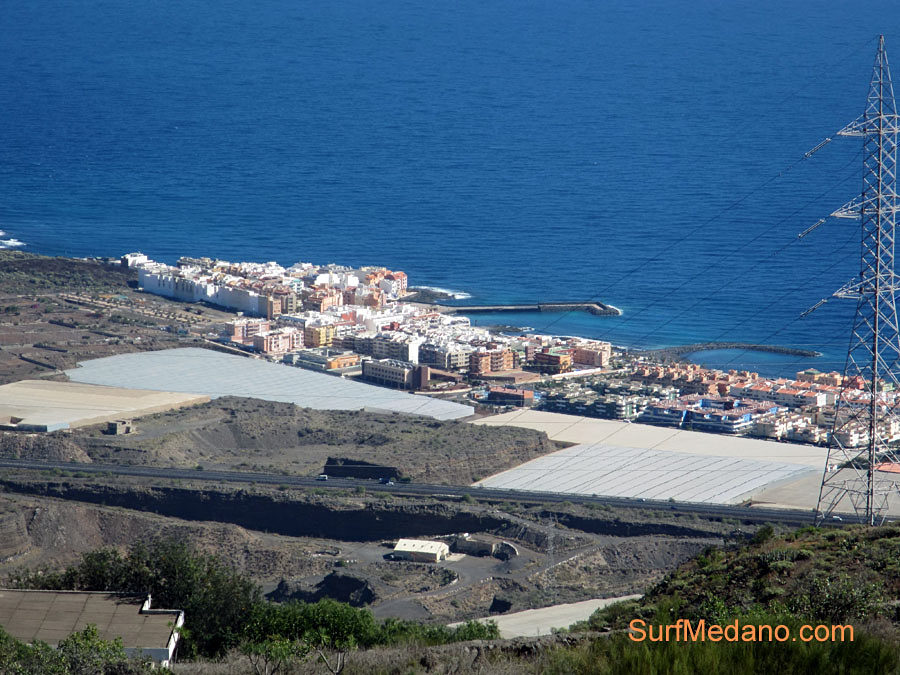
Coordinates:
(456, 295)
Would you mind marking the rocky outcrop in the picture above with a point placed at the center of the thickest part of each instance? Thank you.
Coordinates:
(340, 587)
(624, 528)
(53, 447)
(241, 433)
(14, 540)
(279, 515)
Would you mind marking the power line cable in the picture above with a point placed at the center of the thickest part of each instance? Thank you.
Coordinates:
(632, 315)
(733, 328)
(807, 155)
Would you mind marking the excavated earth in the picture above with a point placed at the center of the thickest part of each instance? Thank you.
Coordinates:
(250, 434)
(304, 545)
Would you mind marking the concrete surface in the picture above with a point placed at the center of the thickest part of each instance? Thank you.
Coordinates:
(542, 621)
(58, 405)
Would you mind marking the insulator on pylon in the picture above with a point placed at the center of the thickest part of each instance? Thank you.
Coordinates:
(817, 148)
(809, 229)
(814, 308)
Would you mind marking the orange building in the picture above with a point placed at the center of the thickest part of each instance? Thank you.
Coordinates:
(323, 299)
(342, 361)
(490, 361)
(554, 360)
(479, 362)
(595, 354)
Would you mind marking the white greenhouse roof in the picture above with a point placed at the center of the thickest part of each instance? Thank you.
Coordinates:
(616, 471)
(575, 429)
(203, 371)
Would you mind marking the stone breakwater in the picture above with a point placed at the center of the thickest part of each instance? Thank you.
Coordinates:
(684, 350)
(596, 308)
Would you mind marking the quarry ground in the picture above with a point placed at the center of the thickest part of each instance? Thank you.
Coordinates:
(48, 522)
(307, 544)
(253, 435)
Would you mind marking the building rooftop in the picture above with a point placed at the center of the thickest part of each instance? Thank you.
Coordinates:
(420, 546)
(43, 405)
(51, 616)
(617, 471)
(616, 458)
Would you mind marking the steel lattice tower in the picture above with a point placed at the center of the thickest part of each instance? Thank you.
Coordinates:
(865, 434)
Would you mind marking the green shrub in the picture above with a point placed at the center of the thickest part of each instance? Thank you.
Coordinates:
(762, 535)
(82, 653)
(620, 655)
(837, 599)
(214, 597)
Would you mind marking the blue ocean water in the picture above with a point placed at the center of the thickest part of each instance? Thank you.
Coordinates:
(645, 153)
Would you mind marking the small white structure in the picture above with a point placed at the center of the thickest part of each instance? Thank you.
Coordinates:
(419, 550)
(133, 259)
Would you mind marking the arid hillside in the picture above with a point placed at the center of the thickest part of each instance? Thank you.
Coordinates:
(250, 434)
(335, 543)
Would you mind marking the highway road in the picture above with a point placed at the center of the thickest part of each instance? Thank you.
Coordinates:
(742, 513)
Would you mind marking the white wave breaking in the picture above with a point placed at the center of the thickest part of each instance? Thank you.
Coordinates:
(456, 295)
(10, 243)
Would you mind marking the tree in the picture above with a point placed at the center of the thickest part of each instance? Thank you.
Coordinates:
(21, 659)
(86, 653)
(82, 653)
(100, 570)
(215, 598)
(270, 655)
(330, 629)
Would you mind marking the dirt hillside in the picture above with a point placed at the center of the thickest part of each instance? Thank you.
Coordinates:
(250, 434)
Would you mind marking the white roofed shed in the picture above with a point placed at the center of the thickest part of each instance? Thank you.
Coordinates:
(419, 550)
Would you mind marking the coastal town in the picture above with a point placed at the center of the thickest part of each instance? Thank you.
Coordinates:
(552, 387)
(366, 323)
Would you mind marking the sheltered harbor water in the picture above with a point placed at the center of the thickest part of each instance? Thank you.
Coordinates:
(202, 371)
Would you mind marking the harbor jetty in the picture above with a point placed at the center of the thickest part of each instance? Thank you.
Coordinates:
(596, 308)
(684, 350)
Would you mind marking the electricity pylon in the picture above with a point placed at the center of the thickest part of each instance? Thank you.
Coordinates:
(864, 448)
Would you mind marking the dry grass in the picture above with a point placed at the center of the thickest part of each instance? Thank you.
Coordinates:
(462, 659)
